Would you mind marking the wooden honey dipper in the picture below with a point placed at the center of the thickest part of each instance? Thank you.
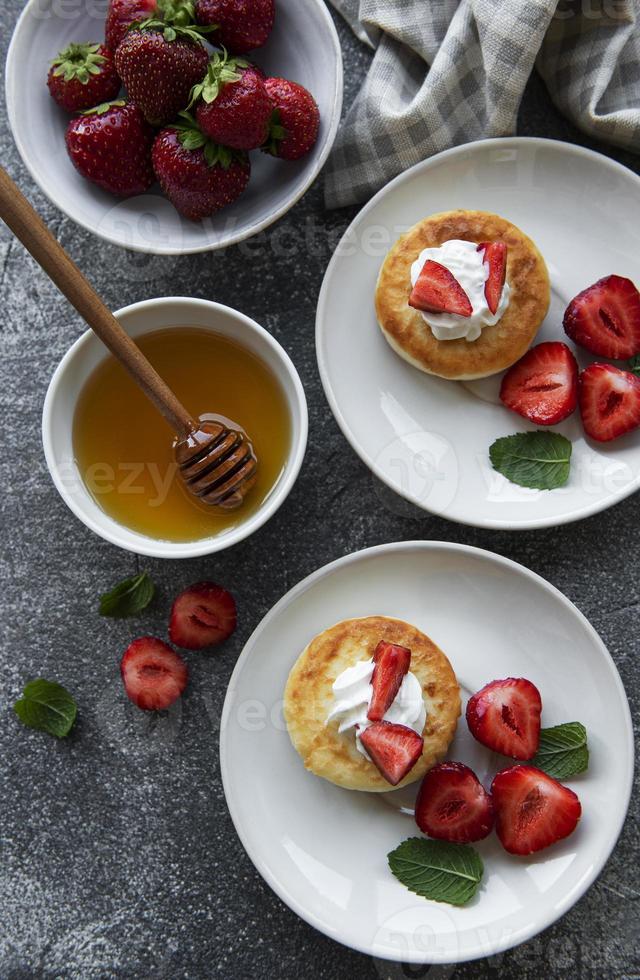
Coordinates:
(215, 460)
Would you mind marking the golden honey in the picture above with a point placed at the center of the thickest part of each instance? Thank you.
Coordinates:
(124, 448)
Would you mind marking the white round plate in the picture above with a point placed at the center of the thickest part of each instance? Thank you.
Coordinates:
(323, 849)
(426, 438)
(303, 46)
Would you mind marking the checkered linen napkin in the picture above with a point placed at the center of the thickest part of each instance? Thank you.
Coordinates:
(447, 72)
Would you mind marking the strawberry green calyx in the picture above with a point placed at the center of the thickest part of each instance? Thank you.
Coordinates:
(178, 13)
(192, 138)
(277, 132)
(99, 110)
(78, 62)
(222, 70)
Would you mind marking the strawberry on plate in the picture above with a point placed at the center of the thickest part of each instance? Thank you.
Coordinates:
(533, 810)
(121, 14)
(241, 25)
(495, 255)
(391, 664)
(543, 385)
(394, 749)
(453, 805)
(505, 716)
(204, 615)
(438, 291)
(153, 674)
(111, 146)
(609, 401)
(82, 76)
(605, 318)
(295, 121)
(232, 103)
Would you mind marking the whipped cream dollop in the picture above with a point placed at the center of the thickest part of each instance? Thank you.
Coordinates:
(466, 263)
(352, 693)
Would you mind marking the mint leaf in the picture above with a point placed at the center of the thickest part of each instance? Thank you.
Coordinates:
(46, 706)
(563, 750)
(539, 460)
(437, 870)
(634, 365)
(128, 597)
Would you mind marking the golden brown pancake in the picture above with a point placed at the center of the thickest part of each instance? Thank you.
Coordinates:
(308, 700)
(499, 346)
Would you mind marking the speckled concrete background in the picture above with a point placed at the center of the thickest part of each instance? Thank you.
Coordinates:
(118, 857)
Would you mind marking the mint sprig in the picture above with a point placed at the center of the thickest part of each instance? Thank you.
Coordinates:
(563, 751)
(128, 597)
(438, 870)
(46, 706)
(538, 460)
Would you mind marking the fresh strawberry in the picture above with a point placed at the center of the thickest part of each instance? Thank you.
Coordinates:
(495, 254)
(438, 291)
(111, 146)
(295, 121)
(241, 25)
(605, 318)
(453, 805)
(233, 107)
(505, 716)
(391, 665)
(199, 177)
(609, 401)
(154, 675)
(82, 76)
(204, 615)
(394, 749)
(532, 809)
(543, 385)
(159, 66)
(121, 14)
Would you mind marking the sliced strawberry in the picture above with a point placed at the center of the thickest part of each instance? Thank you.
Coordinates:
(495, 254)
(154, 675)
(391, 665)
(505, 716)
(394, 749)
(605, 318)
(543, 385)
(438, 291)
(204, 615)
(532, 809)
(453, 805)
(609, 401)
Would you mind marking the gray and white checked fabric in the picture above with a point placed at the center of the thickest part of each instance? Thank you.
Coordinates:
(447, 72)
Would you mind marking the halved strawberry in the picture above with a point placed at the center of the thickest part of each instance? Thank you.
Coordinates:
(204, 615)
(532, 809)
(495, 254)
(505, 716)
(438, 291)
(391, 665)
(609, 401)
(543, 385)
(154, 675)
(394, 749)
(605, 318)
(453, 805)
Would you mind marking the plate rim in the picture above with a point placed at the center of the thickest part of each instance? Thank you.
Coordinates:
(556, 911)
(493, 524)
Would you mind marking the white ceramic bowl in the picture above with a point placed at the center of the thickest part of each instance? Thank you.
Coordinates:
(87, 352)
(303, 46)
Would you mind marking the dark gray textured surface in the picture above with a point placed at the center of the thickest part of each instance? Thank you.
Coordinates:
(117, 855)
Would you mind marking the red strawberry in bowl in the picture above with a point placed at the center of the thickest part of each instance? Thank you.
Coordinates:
(82, 76)
(533, 810)
(241, 26)
(232, 103)
(111, 146)
(121, 14)
(153, 674)
(453, 805)
(609, 401)
(391, 665)
(438, 291)
(505, 716)
(495, 255)
(605, 318)
(204, 615)
(295, 121)
(394, 749)
(199, 177)
(543, 385)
